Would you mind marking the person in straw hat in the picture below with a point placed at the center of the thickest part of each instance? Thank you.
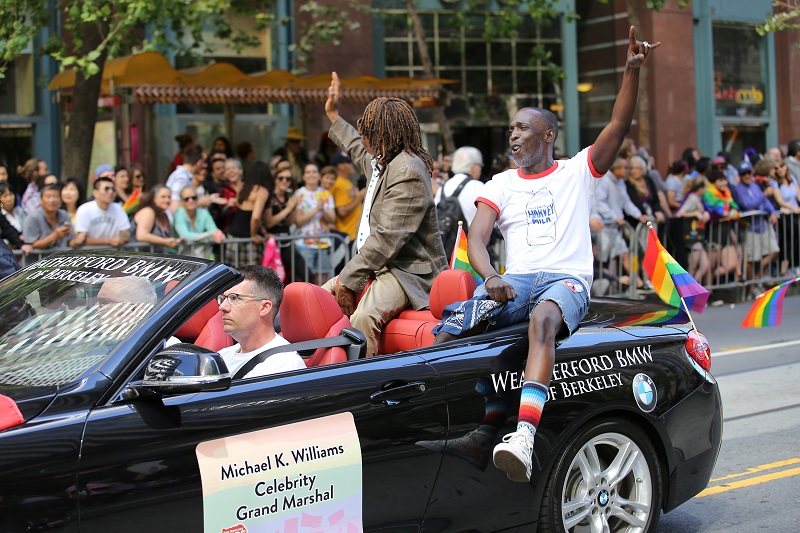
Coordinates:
(294, 151)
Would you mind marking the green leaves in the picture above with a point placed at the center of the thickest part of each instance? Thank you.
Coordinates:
(786, 17)
(127, 26)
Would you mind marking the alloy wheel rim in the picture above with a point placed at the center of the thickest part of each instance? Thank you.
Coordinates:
(608, 487)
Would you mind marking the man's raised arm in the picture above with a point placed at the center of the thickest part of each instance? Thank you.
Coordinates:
(607, 145)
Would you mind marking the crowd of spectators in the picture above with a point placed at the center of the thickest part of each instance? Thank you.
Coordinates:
(207, 198)
(724, 221)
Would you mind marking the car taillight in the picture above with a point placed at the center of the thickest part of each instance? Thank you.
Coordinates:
(697, 347)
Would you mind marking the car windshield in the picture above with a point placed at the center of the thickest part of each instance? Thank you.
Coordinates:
(63, 315)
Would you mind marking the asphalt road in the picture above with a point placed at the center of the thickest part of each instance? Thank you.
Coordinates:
(755, 483)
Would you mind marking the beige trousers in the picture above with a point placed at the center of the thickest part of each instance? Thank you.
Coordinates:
(383, 300)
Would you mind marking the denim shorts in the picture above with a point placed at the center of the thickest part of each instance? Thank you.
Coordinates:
(568, 292)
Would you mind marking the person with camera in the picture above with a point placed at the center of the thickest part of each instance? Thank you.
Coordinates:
(48, 226)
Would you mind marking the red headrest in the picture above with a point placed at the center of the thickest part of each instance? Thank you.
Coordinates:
(450, 286)
(10, 414)
(308, 312)
(191, 328)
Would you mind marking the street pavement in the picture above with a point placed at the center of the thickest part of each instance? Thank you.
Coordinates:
(755, 482)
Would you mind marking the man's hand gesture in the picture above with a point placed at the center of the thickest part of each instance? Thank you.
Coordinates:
(332, 103)
(638, 50)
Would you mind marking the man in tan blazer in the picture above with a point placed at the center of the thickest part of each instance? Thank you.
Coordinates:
(399, 247)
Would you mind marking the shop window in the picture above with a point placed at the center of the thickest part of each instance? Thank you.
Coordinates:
(739, 71)
(17, 94)
(504, 66)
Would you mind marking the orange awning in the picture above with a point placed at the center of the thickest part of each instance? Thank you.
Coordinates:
(152, 79)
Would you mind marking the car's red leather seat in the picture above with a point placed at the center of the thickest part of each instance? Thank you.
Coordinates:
(412, 329)
(309, 312)
(213, 336)
(204, 328)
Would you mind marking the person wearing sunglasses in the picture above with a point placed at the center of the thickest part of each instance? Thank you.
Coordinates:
(248, 315)
(196, 225)
(279, 215)
(101, 222)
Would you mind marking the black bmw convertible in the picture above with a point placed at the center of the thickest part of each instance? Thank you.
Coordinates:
(107, 425)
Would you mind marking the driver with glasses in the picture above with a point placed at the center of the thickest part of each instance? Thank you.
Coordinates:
(248, 315)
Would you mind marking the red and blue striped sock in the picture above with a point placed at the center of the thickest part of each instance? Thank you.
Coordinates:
(531, 403)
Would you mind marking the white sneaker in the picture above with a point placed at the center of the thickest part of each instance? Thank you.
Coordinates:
(513, 455)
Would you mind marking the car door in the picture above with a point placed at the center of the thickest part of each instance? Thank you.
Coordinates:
(138, 468)
(470, 493)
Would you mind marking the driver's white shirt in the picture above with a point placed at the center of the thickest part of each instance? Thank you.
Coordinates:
(278, 362)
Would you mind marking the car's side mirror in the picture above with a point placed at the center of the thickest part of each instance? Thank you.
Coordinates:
(184, 368)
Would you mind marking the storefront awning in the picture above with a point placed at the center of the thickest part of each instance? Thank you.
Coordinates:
(150, 78)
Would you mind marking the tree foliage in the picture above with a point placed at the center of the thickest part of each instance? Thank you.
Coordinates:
(786, 17)
(125, 26)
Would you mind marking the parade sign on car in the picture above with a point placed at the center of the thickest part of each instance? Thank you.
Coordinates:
(298, 477)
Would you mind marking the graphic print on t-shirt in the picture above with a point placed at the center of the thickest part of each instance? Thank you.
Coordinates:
(541, 216)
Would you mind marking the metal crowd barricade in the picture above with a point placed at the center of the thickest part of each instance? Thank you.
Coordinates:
(610, 272)
(236, 252)
(741, 252)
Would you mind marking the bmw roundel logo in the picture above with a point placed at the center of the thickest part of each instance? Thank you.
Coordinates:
(645, 393)
(602, 498)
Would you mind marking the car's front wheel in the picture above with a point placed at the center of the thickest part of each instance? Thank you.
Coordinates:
(608, 479)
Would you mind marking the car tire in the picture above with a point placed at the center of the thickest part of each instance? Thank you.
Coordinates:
(586, 492)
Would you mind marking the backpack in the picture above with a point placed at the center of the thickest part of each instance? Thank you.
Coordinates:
(448, 214)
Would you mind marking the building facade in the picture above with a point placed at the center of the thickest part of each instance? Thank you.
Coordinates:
(714, 83)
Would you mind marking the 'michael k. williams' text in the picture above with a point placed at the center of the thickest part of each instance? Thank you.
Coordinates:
(305, 454)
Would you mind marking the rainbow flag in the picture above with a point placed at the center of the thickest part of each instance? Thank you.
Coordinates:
(460, 257)
(669, 279)
(767, 310)
(719, 202)
(132, 203)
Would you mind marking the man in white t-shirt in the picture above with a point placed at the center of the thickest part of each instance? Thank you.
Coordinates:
(248, 314)
(101, 222)
(543, 209)
(468, 165)
(183, 175)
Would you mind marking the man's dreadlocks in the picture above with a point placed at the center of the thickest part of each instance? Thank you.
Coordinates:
(390, 127)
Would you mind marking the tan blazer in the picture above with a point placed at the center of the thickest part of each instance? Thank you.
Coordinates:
(404, 233)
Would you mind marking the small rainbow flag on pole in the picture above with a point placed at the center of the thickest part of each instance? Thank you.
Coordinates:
(132, 203)
(670, 281)
(767, 310)
(460, 257)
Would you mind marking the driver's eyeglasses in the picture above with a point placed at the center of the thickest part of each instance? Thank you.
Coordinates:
(234, 298)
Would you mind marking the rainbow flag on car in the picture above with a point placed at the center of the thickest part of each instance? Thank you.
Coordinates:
(767, 310)
(132, 203)
(670, 281)
(460, 257)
